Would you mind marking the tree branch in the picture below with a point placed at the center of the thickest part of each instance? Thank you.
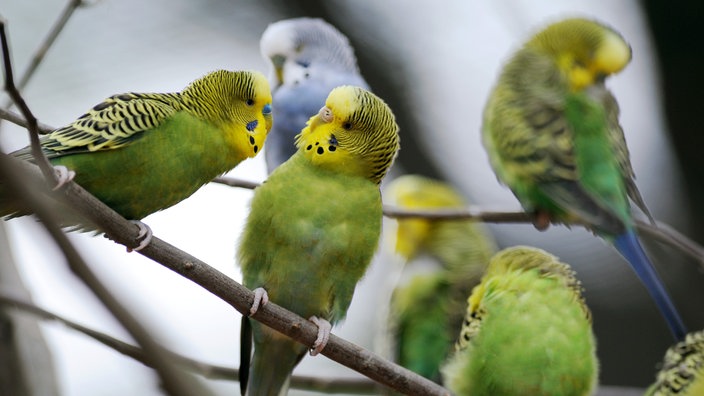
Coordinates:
(332, 385)
(19, 121)
(661, 232)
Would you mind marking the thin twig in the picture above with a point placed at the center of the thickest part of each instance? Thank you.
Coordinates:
(232, 182)
(18, 120)
(48, 42)
(32, 126)
(211, 371)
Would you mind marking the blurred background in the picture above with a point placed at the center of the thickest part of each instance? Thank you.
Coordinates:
(434, 64)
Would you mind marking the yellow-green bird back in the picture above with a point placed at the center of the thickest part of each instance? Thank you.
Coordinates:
(143, 152)
(682, 371)
(527, 331)
(314, 225)
(428, 306)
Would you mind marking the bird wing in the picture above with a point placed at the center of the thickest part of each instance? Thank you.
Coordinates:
(114, 123)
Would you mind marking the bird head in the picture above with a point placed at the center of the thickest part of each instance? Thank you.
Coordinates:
(586, 52)
(295, 45)
(354, 133)
(238, 102)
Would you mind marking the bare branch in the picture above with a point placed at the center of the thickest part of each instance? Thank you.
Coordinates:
(337, 385)
(232, 182)
(20, 121)
(32, 126)
(47, 43)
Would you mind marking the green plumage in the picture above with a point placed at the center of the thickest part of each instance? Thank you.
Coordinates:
(315, 223)
(427, 308)
(527, 331)
(552, 134)
(682, 371)
(140, 153)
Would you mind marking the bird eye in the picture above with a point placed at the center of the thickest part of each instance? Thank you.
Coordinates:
(249, 102)
(347, 126)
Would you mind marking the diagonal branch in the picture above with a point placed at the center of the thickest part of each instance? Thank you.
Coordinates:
(336, 385)
(227, 289)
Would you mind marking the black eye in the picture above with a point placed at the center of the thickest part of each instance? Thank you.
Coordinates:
(249, 102)
(347, 126)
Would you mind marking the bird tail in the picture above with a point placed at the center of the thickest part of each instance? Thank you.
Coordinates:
(630, 248)
(272, 364)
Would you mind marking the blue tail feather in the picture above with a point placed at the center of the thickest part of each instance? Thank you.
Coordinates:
(630, 248)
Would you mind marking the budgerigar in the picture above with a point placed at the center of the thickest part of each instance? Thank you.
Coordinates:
(427, 309)
(143, 152)
(309, 57)
(527, 331)
(552, 133)
(314, 226)
(682, 371)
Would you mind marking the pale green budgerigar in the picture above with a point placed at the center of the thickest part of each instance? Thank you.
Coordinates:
(527, 331)
(143, 152)
(313, 228)
(427, 309)
(552, 133)
(682, 371)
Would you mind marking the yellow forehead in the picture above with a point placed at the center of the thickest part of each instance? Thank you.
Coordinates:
(261, 86)
(342, 100)
(613, 54)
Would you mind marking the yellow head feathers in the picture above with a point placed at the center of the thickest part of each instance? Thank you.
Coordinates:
(239, 102)
(585, 51)
(354, 133)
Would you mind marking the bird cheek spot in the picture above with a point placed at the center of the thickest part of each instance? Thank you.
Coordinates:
(320, 150)
(332, 148)
(252, 125)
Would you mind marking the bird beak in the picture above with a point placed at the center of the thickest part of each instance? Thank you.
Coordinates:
(324, 116)
(278, 61)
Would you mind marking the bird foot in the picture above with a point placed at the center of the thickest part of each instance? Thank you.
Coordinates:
(261, 298)
(145, 235)
(63, 176)
(324, 329)
(541, 221)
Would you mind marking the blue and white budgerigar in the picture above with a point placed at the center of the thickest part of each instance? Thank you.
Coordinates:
(309, 57)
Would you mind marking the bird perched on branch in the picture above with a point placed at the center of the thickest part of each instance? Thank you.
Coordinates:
(682, 371)
(313, 228)
(552, 133)
(527, 331)
(143, 152)
(308, 57)
(428, 305)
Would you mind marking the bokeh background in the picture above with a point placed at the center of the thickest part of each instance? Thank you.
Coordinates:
(434, 63)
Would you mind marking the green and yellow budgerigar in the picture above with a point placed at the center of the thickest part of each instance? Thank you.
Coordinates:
(527, 331)
(143, 152)
(552, 133)
(427, 309)
(313, 228)
(682, 371)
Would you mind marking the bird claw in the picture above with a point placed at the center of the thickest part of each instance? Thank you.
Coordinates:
(541, 221)
(324, 329)
(145, 235)
(63, 176)
(261, 298)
